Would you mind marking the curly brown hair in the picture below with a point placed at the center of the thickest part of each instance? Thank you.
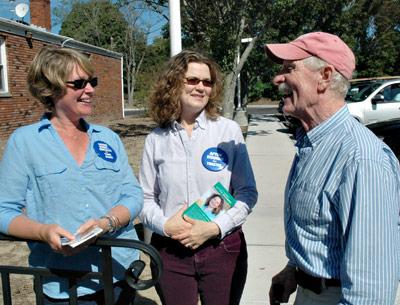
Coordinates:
(49, 71)
(165, 106)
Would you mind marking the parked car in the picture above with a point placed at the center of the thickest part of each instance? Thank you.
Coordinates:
(388, 132)
(374, 100)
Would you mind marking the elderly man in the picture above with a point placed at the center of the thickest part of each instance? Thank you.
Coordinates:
(342, 196)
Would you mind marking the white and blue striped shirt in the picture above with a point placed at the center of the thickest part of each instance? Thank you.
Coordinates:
(342, 210)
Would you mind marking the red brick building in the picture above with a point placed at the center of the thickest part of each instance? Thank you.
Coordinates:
(18, 45)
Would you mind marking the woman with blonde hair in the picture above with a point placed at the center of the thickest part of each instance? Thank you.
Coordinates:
(63, 176)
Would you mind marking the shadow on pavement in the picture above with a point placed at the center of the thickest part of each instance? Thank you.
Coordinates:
(141, 300)
(254, 118)
(259, 133)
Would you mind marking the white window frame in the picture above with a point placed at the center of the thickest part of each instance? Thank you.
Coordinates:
(3, 67)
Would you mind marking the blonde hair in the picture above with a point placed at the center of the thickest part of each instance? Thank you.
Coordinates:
(165, 105)
(49, 71)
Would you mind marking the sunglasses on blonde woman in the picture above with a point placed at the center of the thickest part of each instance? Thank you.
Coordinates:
(194, 81)
(82, 83)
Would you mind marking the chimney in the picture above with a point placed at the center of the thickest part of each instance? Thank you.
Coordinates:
(40, 13)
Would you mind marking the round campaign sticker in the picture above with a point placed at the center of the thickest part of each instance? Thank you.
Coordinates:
(214, 159)
(105, 151)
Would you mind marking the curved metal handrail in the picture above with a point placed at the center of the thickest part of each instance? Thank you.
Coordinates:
(132, 274)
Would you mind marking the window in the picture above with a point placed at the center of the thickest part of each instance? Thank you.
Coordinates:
(392, 93)
(3, 68)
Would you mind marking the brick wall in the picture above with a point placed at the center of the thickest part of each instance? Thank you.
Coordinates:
(108, 95)
(22, 109)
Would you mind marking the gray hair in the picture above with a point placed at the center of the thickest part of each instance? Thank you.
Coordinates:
(339, 83)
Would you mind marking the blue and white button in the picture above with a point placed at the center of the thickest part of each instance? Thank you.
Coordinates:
(105, 151)
(214, 159)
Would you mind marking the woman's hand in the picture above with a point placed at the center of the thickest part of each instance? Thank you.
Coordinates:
(91, 224)
(176, 225)
(84, 228)
(51, 234)
(200, 232)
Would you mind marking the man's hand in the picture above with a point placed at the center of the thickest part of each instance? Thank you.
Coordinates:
(199, 233)
(176, 225)
(283, 285)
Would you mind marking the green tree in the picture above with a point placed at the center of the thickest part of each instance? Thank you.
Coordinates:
(156, 56)
(370, 27)
(378, 47)
(218, 27)
(114, 27)
(97, 22)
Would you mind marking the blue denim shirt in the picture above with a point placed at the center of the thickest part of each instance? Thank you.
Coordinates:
(38, 174)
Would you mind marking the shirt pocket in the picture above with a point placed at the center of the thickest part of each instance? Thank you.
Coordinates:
(304, 204)
(108, 176)
(50, 179)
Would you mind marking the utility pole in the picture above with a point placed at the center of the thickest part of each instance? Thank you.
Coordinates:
(175, 26)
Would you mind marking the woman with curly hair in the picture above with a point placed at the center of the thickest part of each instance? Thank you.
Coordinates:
(192, 149)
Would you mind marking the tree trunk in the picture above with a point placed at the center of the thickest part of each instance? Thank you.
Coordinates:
(229, 95)
(231, 80)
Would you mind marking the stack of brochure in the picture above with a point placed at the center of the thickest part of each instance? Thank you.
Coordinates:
(211, 204)
(81, 238)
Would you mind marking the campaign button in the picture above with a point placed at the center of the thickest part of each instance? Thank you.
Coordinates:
(214, 159)
(105, 151)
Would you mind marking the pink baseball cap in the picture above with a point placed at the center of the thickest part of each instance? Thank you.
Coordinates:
(327, 47)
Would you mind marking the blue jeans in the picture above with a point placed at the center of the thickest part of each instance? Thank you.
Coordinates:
(123, 295)
(216, 271)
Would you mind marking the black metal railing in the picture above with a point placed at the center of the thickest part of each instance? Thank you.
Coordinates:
(132, 274)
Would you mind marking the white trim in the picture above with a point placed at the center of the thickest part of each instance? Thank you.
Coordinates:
(19, 29)
(4, 70)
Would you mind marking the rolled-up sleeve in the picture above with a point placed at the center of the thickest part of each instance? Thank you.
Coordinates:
(131, 194)
(14, 181)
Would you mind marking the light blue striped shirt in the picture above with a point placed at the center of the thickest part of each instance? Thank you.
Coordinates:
(342, 210)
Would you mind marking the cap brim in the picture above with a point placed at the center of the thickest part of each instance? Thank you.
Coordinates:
(279, 52)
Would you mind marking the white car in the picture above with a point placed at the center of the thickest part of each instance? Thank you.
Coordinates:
(374, 100)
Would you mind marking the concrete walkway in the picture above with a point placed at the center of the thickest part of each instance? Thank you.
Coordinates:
(271, 152)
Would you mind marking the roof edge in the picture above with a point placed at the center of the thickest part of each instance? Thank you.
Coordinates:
(20, 29)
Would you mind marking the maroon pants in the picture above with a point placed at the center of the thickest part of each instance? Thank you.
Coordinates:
(216, 271)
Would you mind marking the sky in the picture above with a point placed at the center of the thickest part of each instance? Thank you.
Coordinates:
(7, 10)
